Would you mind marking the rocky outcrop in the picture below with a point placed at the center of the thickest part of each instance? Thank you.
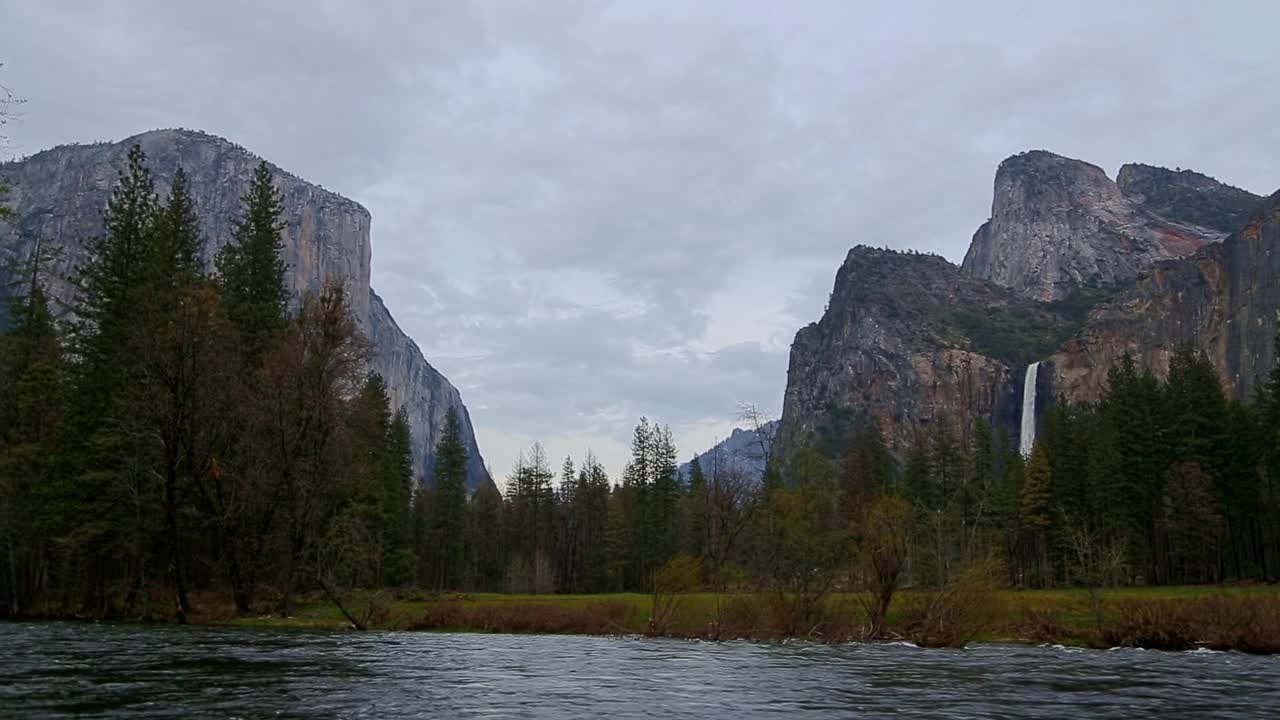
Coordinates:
(59, 196)
(1186, 196)
(1223, 300)
(744, 451)
(1058, 223)
(1073, 270)
(915, 344)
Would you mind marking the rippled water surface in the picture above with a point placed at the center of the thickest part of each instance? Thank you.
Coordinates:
(64, 670)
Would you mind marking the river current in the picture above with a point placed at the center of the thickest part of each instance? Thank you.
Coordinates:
(55, 670)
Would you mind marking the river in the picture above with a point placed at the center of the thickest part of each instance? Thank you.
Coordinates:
(101, 670)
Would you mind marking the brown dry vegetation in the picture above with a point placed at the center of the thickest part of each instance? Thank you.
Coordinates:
(599, 618)
(1246, 619)
(1220, 623)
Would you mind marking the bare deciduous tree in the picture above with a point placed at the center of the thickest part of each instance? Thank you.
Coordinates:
(886, 544)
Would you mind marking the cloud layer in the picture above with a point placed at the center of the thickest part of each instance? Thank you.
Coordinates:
(585, 212)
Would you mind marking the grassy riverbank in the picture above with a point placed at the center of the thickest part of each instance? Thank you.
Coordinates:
(1245, 618)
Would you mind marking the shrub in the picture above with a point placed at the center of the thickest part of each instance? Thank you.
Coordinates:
(1153, 624)
(681, 575)
(1041, 625)
(953, 616)
(601, 618)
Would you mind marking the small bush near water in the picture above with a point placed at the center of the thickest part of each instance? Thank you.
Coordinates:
(1221, 622)
(965, 608)
(602, 618)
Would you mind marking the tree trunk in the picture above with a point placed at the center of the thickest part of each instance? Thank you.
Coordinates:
(171, 539)
(337, 601)
(14, 608)
(241, 592)
(291, 576)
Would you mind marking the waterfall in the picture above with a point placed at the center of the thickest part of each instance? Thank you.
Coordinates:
(1028, 435)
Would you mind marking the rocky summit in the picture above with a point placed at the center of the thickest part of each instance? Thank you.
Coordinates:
(915, 344)
(745, 451)
(1058, 224)
(1073, 270)
(59, 195)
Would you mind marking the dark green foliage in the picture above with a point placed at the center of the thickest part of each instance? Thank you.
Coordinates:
(1188, 196)
(584, 544)
(148, 462)
(33, 381)
(112, 283)
(652, 502)
(177, 248)
(448, 506)
(1019, 334)
(868, 470)
(696, 510)
(486, 546)
(1075, 307)
(251, 270)
(834, 430)
(384, 504)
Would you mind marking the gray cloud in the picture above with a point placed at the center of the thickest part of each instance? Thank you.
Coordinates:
(586, 211)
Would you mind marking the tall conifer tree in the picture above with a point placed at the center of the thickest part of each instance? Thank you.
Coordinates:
(251, 270)
(448, 505)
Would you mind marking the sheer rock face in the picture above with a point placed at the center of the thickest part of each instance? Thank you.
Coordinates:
(59, 196)
(888, 349)
(421, 390)
(920, 345)
(1224, 300)
(1057, 223)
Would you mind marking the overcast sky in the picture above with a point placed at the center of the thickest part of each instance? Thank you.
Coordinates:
(585, 211)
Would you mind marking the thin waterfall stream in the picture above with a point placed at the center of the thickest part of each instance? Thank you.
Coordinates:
(1027, 436)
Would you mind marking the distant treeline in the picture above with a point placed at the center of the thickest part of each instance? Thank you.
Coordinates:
(1163, 481)
(189, 432)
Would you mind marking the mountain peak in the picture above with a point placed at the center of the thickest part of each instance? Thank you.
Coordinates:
(1058, 224)
(1187, 196)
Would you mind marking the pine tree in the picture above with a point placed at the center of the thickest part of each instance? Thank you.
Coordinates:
(592, 499)
(637, 482)
(33, 382)
(1196, 412)
(251, 270)
(111, 467)
(918, 485)
(664, 509)
(112, 281)
(696, 504)
(486, 539)
(175, 253)
(177, 320)
(399, 484)
(1267, 533)
(568, 547)
(448, 505)
(1036, 493)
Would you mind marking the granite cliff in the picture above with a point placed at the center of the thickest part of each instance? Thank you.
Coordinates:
(1223, 300)
(1072, 269)
(58, 195)
(917, 345)
(1058, 223)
